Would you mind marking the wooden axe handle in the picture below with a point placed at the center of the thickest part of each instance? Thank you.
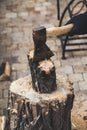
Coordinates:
(59, 30)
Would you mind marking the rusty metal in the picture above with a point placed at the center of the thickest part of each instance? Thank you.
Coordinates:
(41, 50)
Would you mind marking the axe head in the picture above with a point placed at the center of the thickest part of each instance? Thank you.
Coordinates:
(41, 50)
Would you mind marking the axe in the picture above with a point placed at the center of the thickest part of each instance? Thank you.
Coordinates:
(41, 50)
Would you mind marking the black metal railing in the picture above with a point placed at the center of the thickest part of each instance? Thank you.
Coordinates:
(65, 39)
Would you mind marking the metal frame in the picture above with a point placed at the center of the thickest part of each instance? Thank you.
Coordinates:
(65, 39)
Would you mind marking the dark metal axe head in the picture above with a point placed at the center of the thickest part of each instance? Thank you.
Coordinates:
(41, 50)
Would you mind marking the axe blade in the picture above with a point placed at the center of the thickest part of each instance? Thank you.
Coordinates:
(41, 50)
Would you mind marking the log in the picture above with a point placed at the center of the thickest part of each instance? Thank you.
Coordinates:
(40, 111)
(43, 75)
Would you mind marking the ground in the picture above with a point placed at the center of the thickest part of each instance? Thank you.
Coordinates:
(79, 113)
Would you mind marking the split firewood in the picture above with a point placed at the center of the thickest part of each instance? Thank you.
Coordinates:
(2, 122)
(6, 71)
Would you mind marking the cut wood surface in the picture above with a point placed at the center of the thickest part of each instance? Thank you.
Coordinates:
(46, 66)
(23, 87)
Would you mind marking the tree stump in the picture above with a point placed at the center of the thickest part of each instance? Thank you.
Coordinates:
(31, 110)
